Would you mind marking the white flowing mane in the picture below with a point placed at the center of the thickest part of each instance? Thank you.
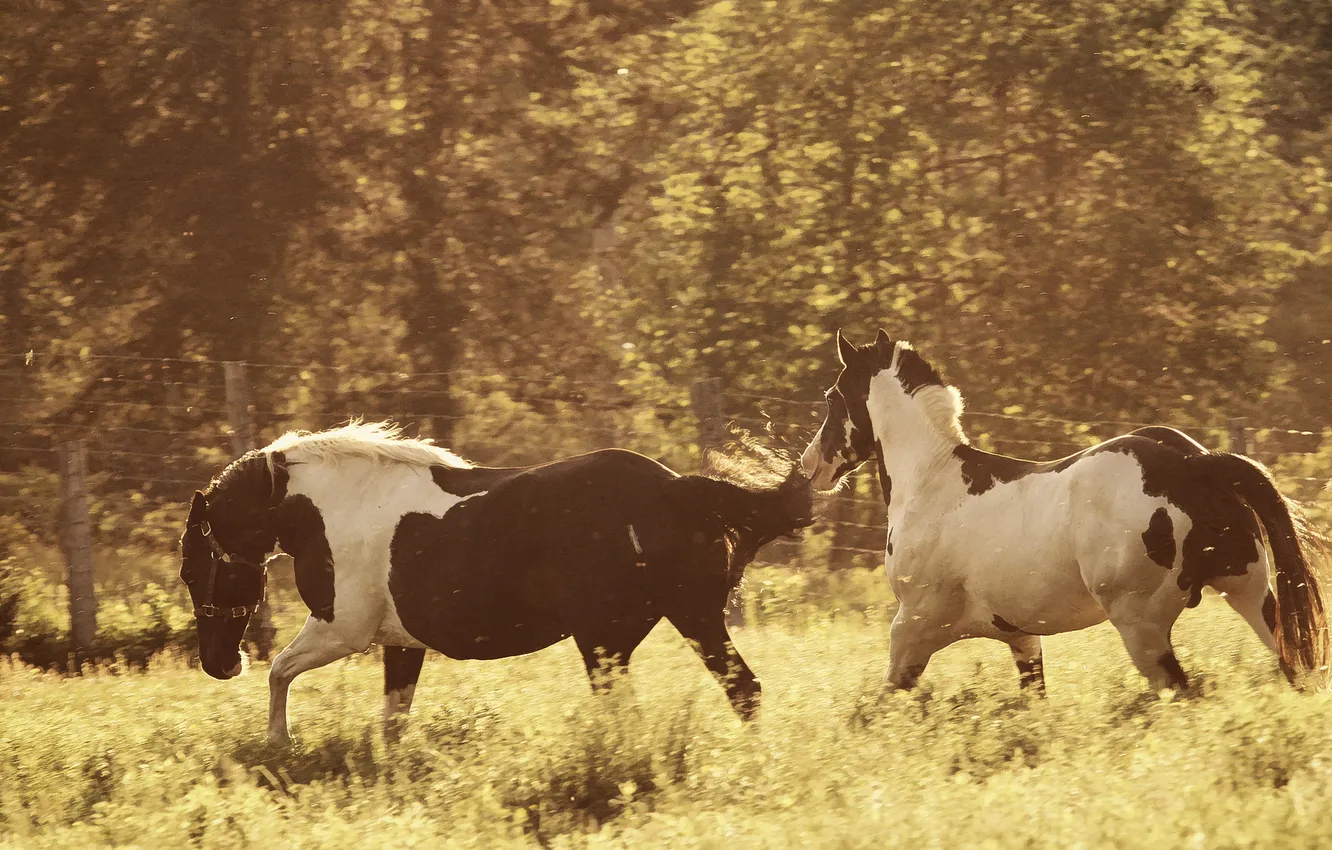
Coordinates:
(942, 405)
(377, 441)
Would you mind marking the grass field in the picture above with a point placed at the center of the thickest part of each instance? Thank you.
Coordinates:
(517, 753)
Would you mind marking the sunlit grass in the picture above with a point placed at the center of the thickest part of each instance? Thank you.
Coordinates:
(517, 752)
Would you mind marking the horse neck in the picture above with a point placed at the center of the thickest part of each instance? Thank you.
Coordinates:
(916, 453)
(247, 526)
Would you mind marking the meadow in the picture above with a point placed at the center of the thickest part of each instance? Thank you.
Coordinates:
(518, 753)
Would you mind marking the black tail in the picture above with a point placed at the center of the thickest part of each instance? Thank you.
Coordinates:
(750, 510)
(1301, 631)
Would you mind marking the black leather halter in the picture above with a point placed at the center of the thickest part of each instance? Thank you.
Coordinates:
(219, 556)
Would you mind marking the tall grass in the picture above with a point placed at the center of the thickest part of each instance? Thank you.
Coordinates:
(518, 753)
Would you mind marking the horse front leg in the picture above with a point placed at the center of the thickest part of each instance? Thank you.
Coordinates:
(707, 635)
(318, 643)
(913, 640)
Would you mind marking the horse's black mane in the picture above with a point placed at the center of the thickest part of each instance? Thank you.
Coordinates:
(247, 485)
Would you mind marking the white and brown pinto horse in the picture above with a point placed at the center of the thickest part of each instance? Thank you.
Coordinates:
(401, 543)
(1130, 530)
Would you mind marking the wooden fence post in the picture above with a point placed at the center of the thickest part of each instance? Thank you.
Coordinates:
(239, 409)
(76, 541)
(841, 514)
(707, 401)
(1237, 436)
(705, 397)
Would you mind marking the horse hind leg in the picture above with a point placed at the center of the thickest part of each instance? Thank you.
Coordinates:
(1143, 607)
(1144, 622)
(607, 651)
(1148, 644)
(1030, 663)
(1251, 597)
(402, 670)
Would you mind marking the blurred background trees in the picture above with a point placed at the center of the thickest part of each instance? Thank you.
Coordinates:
(1099, 210)
(528, 227)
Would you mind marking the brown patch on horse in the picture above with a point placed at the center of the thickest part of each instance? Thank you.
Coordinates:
(1159, 538)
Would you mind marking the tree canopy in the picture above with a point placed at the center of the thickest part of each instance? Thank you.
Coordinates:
(1088, 209)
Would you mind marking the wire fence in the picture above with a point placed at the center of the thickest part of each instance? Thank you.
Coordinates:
(156, 429)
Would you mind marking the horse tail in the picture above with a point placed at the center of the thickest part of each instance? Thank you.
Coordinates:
(1301, 630)
(749, 510)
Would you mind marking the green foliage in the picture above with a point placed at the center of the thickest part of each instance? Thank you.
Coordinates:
(511, 753)
(1109, 209)
(1087, 208)
(525, 229)
(1307, 476)
(776, 595)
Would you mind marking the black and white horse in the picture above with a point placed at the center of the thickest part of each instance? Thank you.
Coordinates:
(398, 542)
(1131, 530)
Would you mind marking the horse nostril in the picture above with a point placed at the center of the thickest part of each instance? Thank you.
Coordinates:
(235, 670)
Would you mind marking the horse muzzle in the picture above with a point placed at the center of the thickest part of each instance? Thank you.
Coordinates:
(822, 474)
(224, 672)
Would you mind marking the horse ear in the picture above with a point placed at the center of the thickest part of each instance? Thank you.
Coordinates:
(845, 350)
(883, 341)
(198, 509)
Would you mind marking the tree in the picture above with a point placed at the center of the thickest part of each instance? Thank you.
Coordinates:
(1079, 210)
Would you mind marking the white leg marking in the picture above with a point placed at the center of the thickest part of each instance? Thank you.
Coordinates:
(317, 644)
(1246, 595)
(1144, 621)
(397, 704)
(912, 642)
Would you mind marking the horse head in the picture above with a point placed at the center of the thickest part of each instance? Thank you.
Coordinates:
(848, 436)
(230, 529)
(845, 440)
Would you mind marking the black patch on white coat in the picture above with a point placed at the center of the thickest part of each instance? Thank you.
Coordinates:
(1159, 538)
(1223, 538)
(1270, 612)
(981, 470)
(1004, 626)
(915, 372)
(302, 536)
(890, 541)
(402, 667)
(885, 481)
(1173, 671)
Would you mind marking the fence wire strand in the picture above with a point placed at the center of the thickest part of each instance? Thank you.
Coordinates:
(174, 432)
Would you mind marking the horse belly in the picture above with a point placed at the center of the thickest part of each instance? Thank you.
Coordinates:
(393, 633)
(475, 615)
(1019, 566)
(486, 634)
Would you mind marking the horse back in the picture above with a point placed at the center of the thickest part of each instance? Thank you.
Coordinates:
(511, 569)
